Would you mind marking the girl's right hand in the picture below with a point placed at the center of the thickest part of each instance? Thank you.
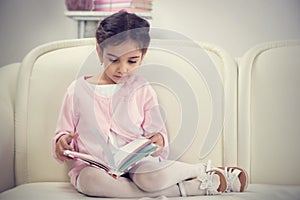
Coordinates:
(62, 144)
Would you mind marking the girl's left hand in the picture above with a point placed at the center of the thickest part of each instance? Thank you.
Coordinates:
(158, 140)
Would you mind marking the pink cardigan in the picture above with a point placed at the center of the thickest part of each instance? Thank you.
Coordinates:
(133, 111)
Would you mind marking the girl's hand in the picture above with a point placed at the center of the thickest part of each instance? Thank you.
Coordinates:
(158, 140)
(62, 144)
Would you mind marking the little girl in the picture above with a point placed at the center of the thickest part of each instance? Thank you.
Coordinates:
(105, 112)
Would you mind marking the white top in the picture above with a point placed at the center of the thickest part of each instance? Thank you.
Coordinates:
(108, 90)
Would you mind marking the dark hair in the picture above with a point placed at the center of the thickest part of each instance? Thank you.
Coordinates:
(122, 26)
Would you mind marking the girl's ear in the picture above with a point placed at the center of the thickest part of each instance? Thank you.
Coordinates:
(99, 52)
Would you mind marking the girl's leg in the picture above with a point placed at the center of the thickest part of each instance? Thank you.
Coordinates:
(157, 176)
(95, 182)
(154, 176)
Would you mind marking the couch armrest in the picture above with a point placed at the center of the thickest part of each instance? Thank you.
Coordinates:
(269, 112)
(8, 80)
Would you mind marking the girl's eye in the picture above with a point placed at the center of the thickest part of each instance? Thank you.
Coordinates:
(113, 60)
(132, 61)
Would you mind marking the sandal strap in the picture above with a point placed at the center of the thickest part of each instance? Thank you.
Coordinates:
(208, 165)
(182, 189)
(231, 175)
(206, 183)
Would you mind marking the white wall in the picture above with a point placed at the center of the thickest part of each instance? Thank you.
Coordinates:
(25, 24)
(236, 25)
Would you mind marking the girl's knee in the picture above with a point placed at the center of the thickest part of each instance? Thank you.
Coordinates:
(150, 182)
(89, 180)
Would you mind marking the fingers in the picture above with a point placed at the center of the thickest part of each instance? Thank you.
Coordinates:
(158, 140)
(157, 152)
(71, 136)
(63, 144)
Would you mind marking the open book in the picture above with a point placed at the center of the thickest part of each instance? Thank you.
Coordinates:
(123, 159)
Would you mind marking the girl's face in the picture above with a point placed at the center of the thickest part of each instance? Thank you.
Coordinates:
(119, 61)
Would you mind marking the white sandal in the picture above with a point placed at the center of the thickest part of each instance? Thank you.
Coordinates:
(207, 183)
(236, 177)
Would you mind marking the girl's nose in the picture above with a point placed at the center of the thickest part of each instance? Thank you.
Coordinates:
(122, 68)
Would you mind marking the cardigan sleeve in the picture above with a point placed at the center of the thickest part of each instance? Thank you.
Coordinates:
(153, 120)
(66, 122)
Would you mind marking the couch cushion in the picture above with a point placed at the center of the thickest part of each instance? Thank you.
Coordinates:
(64, 191)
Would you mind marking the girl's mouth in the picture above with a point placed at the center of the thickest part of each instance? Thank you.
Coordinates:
(118, 76)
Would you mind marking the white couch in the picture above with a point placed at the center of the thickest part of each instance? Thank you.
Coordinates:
(260, 131)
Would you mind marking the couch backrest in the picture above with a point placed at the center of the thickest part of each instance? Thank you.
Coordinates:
(47, 71)
(44, 75)
(269, 112)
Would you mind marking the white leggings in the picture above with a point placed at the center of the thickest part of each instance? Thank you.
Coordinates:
(146, 179)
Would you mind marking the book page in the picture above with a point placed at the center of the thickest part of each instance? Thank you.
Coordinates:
(88, 159)
(130, 148)
(135, 157)
(134, 151)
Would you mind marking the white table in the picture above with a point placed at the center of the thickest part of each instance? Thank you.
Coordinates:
(87, 21)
